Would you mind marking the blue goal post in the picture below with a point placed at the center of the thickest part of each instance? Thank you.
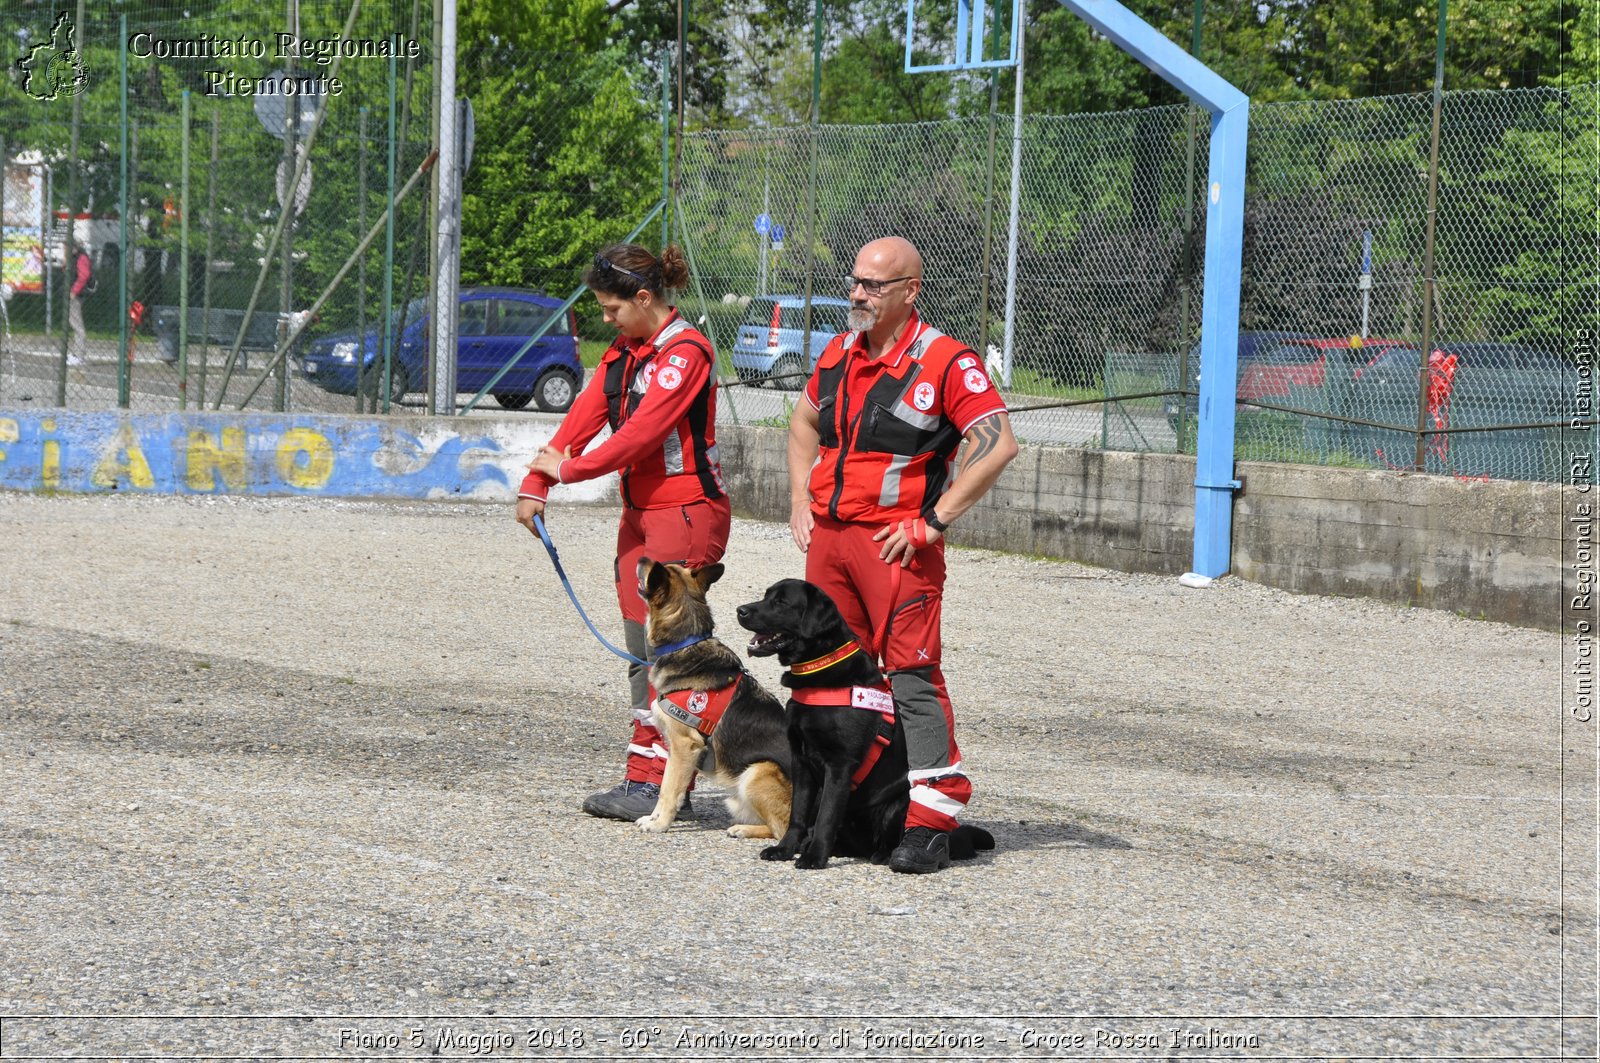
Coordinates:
(1214, 481)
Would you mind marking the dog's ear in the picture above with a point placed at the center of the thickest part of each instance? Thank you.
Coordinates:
(657, 579)
(708, 575)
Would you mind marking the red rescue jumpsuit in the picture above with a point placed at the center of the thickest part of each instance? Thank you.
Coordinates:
(659, 398)
(889, 430)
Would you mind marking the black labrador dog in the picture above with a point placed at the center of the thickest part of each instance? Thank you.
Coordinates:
(849, 747)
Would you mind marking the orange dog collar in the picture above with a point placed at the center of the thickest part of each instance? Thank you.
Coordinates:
(849, 649)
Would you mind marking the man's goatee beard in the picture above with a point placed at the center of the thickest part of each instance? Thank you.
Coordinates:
(861, 318)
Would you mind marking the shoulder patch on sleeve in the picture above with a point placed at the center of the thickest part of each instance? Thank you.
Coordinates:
(967, 363)
(678, 360)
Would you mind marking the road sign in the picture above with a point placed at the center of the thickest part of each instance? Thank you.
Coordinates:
(763, 223)
(777, 234)
(273, 108)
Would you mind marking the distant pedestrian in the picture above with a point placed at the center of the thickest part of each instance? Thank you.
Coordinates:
(82, 273)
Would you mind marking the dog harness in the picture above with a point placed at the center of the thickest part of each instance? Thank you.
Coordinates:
(700, 709)
(876, 698)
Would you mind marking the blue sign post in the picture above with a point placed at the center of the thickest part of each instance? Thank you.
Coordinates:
(770, 235)
(1365, 284)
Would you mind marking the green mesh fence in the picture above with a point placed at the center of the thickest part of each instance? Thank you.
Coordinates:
(1095, 342)
(566, 155)
(123, 163)
(1109, 256)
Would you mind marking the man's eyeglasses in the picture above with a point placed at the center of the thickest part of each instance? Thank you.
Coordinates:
(870, 286)
(602, 262)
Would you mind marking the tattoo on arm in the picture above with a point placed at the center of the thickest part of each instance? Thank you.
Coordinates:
(982, 438)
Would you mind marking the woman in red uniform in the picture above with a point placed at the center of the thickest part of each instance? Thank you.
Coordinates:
(656, 389)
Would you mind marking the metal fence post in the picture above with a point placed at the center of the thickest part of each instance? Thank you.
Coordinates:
(811, 186)
(442, 387)
(123, 201)
(666, 145)
(211, 234)
(183, 266)
(1009, 343)
(1428, 279)
(986, 278)
(290, 192)
(72, 213)
(388, 259)
(361, 266)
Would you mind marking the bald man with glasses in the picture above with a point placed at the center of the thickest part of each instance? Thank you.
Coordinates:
(873, 484)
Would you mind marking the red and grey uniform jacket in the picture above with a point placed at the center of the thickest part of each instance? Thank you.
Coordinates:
(890, 426)
(876, 698)
(659, 398)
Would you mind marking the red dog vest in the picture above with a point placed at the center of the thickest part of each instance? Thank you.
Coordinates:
(700, 709)
(876, 698)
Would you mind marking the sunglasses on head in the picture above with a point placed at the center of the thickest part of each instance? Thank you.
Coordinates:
(602, 262)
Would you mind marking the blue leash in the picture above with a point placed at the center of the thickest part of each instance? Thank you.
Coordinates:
(544, 536)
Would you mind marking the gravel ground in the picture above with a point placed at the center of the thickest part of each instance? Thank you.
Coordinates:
(301, 779)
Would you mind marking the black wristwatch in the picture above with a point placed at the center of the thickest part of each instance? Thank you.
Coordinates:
(932, 520)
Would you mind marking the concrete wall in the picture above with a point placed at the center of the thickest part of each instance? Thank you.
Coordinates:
(273, 454)
(1491, 549)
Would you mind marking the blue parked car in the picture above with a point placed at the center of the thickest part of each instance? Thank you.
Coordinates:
(495, 323)
(770, 341)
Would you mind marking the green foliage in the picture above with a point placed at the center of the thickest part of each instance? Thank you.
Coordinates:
(567, 137)
(1355, 48)
(1533, 189)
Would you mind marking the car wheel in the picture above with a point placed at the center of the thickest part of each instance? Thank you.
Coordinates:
(793, 374)
(510, 401)
(555, 390)
(399, 382)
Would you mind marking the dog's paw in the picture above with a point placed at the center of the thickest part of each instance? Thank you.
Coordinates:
(777, 852)
(749, 830)
(652, 824)
(810, 860)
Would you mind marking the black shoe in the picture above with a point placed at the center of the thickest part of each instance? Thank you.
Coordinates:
(630, 800)
(922, 851)
(627, 800)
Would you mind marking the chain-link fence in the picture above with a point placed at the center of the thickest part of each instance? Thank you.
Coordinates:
(196, 246)
(167, 141)
(172, 166)
(1102, 348)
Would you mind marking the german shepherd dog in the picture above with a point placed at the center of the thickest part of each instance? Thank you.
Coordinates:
(839, 711)
(715, 715)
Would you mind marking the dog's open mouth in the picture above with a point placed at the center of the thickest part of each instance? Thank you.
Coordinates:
(766, 643)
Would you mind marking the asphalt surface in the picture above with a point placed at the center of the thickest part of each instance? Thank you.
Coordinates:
(300, 779)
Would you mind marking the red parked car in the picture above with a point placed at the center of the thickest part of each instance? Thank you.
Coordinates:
(1298, 362)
